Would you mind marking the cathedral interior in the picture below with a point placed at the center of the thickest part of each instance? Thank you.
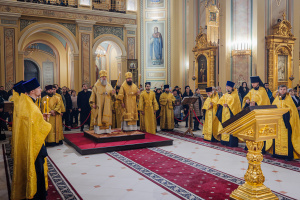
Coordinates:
(195, 43)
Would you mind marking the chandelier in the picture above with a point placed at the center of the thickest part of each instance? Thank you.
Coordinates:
(100, 53)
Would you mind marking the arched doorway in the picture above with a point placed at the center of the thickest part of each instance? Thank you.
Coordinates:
(31, 70)
(110, 55)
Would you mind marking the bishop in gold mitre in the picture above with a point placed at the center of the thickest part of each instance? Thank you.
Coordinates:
(257, 96)
(228, 106)
(210, 127)
(55, 106)
(167, 101)
(117, 110)
(29, 179)
(148, 107)
(100, 101)
(128, 97)
(287, 144)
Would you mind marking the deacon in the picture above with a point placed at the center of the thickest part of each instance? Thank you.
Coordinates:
(257, 96)
(287, 144)
(100, 101)
(148, 107)
(117, 110)
(128, 96)
(167, 101)
(228, 106)
(62, 98)
(18, 89)
(210, 128)
(53, 104)
(30, 165)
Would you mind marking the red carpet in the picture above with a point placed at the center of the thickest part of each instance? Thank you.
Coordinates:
(201, 183)
(182, 177)
(295, 163)
(85, 143)
(52, 191)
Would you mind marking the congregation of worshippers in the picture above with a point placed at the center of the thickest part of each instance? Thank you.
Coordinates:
(130, 107)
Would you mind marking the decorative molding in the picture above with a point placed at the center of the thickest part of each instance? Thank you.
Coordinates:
(155, 74)
(101, 30)
(142, 40)
(169, 42)
(9, 57)
(155, 15)
(131, 47)
(61, 12)
(24, 23)
(130, 32)
(84, 28)
(85, 58)
(71, 27)
(130, 27)
(6, 21)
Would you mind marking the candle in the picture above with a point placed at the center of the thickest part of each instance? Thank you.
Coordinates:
(47, 104)
(139, 80)
(44, 106)
(118, 78)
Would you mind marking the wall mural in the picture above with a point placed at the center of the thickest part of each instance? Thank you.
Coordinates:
(9, 57)
(155, 42)
(85, 59)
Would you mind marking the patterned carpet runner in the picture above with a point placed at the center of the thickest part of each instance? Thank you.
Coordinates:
(182, 177)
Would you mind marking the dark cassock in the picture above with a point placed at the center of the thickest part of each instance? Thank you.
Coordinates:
(167, 101)
(83, 104)
(30, 179)
(287, 144)
(117, 110)
(210, 126)
(228, 106)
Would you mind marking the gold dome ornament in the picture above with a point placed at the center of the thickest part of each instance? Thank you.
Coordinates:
(291, 77)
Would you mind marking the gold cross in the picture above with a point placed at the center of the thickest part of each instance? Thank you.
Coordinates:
(283, 15)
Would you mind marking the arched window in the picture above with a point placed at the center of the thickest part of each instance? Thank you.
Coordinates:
(31, 70)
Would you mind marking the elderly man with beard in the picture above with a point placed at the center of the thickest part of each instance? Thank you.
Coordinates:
(100, 100)
(55, 108)
(228, 106)
(148, 107)
(287, 144)
(128, 96)
(167, 101)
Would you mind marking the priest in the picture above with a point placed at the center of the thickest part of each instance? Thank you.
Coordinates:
(128, 97)
(228, 106)
(287, 144)
(210, 127)
(167, 101)
(53, 104)
(148, 107)
(30, 165)
(257, 96)
(100, 101)
(117, 110)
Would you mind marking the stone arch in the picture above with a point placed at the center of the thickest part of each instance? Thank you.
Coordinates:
(61, 30)
(113, 40)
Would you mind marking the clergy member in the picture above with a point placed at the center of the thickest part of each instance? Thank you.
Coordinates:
(228, 106)
(100, 100)
(257, 96)
(54, 107)
(128, 96)
(167, 101)
(148, 107)
(30, 165)
(210, 128)
(287, 144)
(117, 110)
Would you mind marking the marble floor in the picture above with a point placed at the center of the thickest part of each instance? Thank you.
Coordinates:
(101, 177)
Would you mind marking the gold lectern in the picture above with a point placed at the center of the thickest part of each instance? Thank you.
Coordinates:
(255, 125)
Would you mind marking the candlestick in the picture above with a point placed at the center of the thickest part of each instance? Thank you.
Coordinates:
(44, 106)
(139, 80)
(47, 105)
